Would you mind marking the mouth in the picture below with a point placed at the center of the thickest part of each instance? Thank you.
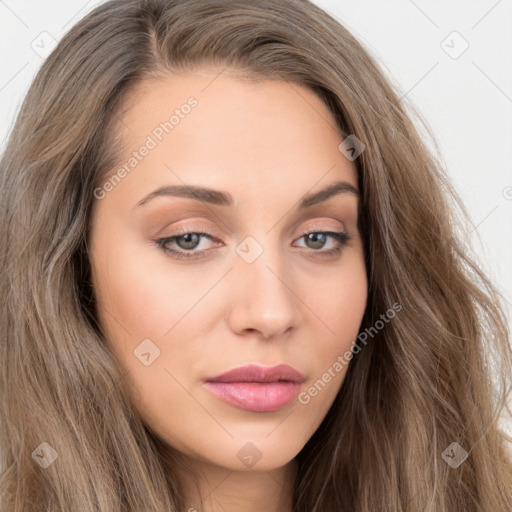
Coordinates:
(257, 388)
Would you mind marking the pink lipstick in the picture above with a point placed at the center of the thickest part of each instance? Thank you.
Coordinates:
(257, 388)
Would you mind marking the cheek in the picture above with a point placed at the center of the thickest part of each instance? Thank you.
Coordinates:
(141, 297)
(141, 300)
(340, 301)
(140, 293)
(340, 305)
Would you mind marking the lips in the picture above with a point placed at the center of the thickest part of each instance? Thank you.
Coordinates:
(257, 388)
(255, 373)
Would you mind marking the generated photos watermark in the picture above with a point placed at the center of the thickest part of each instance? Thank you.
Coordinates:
(152, 140)
(344, 359)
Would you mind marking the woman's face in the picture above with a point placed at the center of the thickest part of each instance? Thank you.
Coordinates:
(253, 289)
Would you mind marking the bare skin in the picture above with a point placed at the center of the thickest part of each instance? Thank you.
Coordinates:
(299, 302)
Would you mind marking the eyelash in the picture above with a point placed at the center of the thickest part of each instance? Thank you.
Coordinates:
(342, 238)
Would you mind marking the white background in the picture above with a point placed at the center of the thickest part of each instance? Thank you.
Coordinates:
(466, 100)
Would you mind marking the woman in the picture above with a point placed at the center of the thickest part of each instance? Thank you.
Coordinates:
(324, 343)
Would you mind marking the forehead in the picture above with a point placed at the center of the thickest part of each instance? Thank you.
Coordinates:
(211, 127)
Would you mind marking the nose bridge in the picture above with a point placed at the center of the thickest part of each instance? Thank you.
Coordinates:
(264, 300)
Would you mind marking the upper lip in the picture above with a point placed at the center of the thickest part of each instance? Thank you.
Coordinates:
(255, 373)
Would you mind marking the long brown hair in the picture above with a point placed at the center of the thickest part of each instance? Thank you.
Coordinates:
(437, 374)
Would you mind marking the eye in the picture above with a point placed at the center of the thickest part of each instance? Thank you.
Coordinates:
(318, 239)
(187, 241)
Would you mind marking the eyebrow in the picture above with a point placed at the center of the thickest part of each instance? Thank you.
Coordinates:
(220, 198)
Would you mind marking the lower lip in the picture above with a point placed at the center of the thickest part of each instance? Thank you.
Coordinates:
(256, 396)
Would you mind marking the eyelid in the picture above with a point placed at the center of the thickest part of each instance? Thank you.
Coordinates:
(321, 226)
(190, 227)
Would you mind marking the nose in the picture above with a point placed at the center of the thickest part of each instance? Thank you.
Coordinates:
(262, 299)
